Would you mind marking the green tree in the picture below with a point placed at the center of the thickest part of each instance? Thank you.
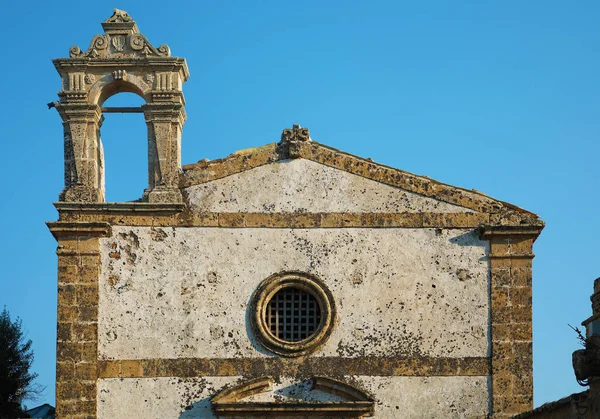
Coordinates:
(16, 357)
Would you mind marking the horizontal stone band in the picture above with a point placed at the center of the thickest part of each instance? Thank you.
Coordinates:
(326, 366)
(284, 220)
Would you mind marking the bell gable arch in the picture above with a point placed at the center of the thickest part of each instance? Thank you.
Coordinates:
(121, 60)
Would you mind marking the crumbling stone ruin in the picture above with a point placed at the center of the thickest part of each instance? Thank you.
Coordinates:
(290, 280)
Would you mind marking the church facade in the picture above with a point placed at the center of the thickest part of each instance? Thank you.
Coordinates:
(291, 279)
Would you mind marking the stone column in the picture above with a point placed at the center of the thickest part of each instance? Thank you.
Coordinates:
(84, 171)
(511, 318)
(165, 121)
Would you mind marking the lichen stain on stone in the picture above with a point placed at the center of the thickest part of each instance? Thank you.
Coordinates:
(125, 287)
(396, 343)
(357, 279)
(463, 275)
(212, 277)
(115, 255)
(111, 336)
(112, 280)
(158, 234)
(131, 243)
(131, 238)
(191, 284)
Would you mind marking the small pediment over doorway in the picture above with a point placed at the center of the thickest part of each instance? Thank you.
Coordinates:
(318, 397)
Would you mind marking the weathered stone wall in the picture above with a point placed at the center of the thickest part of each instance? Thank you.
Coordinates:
(410, 303)
(398, 397)
(185, 292)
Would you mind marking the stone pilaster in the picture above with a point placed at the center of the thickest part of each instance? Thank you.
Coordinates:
(77, 330)
(165, 121)
(84, 171)
(511, 317)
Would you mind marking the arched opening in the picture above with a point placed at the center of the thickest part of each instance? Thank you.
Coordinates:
(124, 138)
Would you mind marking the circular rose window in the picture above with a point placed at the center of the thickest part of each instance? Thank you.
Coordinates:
(293, 313)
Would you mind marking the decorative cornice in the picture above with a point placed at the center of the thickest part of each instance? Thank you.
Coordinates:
(532, 230)
(300, 409)
(177, 215)
(157, 217)
(61, 229)
(109, 207)
(590, 319)
(511, 256)
(240, 161)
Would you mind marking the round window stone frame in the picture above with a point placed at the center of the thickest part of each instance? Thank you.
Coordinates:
(303, 281)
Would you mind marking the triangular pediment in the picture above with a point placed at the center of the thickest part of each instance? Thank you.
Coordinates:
(330, 397)
(299, 175)
(305, 186)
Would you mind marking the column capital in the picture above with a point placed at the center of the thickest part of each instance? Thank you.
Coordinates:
(157, 112)
(486, 232)
(79, 112)
(61, 229)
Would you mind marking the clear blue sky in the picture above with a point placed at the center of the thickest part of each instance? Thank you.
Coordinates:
(502, 97)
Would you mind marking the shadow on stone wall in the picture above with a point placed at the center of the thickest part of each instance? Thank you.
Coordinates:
(200, 409)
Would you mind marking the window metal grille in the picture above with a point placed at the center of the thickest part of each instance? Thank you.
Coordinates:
(293, 314)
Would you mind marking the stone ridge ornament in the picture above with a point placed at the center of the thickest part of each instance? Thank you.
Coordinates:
(297, 133)
(121, 39)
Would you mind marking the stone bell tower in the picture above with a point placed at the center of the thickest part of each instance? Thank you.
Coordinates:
(121, 60)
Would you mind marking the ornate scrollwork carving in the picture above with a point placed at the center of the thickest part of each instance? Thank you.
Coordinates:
(121, 39)
(89, 78)
(97, 48)
(164, 50)
(138, 42)
(74, 51)
(297, 133)
(100, 42)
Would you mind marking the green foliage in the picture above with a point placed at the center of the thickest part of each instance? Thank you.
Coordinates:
(16, 357)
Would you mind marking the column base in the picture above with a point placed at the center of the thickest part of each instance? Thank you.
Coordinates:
(163, 195)
(81, 193)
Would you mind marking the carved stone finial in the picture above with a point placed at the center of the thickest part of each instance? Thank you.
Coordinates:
(297, 133)
(120, 23)
(119, 16)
